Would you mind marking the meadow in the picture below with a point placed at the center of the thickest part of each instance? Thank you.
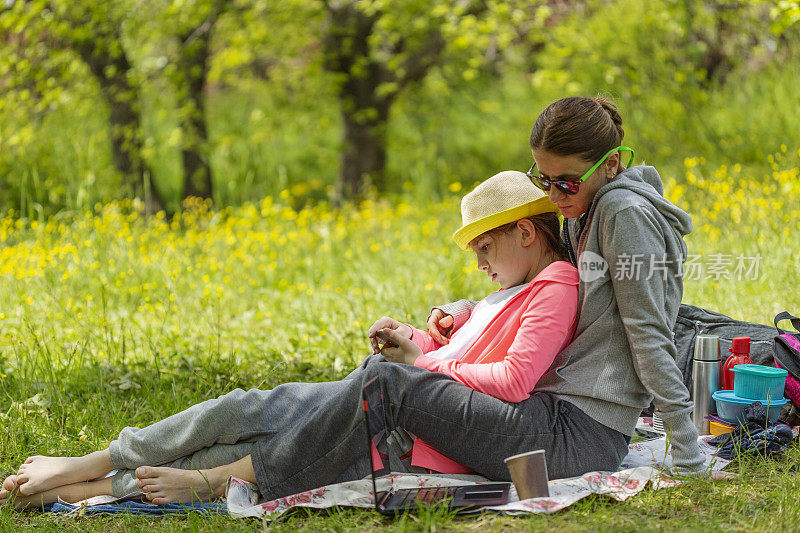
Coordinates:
(110, 319)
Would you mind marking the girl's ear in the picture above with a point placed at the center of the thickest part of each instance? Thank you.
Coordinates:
(611, 164)
(527, 231)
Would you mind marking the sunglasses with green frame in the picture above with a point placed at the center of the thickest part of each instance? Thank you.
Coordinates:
(570, 186)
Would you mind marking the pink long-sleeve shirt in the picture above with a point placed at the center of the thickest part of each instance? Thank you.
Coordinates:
(514, 350)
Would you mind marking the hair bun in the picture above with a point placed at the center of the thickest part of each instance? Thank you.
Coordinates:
(611, 108)
(577, 125)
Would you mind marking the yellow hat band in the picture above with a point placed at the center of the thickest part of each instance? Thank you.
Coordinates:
(464, 235)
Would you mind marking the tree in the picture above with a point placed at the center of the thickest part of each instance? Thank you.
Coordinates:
(723, 34)
(190, 73)
(377, 48)
(100, 35)
(93, 32)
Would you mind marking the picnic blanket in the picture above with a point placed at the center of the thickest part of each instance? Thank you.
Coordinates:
(645, 463)
(103, 505)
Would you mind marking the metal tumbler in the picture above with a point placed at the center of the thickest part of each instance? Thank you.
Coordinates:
(705, 379)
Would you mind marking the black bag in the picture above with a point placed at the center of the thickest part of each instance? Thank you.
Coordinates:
(693, 321)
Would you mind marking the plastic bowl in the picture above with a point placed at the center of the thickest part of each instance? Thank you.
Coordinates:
(758, 382)
(730, 407)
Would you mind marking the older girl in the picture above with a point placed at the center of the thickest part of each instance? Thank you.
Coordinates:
(627, 241)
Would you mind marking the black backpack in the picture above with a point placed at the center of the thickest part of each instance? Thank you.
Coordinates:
(693, 321)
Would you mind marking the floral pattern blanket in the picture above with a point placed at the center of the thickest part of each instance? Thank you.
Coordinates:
(645, 463)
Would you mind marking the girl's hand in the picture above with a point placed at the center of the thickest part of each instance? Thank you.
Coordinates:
(388, 323)
(397, 348)
(438, 325)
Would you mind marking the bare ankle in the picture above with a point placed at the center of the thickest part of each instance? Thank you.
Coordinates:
(98, 463)
(217, 478)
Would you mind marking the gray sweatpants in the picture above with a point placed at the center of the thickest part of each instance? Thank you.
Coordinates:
(220, 431)
(305, 435)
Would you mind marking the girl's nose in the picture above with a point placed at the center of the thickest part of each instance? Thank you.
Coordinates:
(554, 194)
(483, 265)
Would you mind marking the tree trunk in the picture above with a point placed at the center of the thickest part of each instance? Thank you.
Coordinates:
(368, 89)
(125, 121)
(715, 61)
(363, 159)
(364, 113)
(193, 70)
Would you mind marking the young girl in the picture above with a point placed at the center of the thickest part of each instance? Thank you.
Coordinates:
(302, 435)
(627, 241)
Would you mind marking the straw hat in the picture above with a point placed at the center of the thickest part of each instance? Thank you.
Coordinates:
(503, 198)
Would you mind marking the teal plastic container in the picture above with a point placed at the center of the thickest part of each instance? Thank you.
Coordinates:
(758, 382)
(731, 407)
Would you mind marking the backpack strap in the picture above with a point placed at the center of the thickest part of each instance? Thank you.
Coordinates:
(784, 315)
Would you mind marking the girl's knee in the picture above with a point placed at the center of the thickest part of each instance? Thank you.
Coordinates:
(377, 367)
(234, 393)
(396, 379)
(230, 402)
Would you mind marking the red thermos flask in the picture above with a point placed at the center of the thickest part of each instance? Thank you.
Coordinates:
(740, 355)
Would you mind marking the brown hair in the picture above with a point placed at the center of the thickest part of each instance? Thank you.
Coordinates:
(547, 225)
(587, 127)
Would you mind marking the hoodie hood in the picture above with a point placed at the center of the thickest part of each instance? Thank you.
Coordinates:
(629, 254)
(645, 182)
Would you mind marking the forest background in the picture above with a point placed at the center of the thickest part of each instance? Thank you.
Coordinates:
(202, 194)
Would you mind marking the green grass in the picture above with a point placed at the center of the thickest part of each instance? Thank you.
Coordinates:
(110, 320)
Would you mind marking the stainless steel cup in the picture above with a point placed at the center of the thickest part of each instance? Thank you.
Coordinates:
(705, 379)
(529, 474)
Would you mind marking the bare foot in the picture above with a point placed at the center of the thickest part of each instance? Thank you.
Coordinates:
(10, 483)
(8, 488)
(172, 485)
(39, 473)
(719, 475)
(74, 492)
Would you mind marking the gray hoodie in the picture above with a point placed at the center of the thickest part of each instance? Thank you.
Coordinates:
(622, 356)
